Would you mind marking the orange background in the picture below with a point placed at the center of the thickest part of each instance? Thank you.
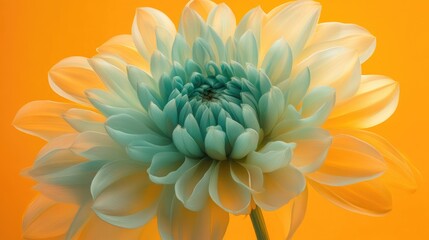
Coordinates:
(34, 35)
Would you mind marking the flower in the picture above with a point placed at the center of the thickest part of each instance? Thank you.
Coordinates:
(185, 127)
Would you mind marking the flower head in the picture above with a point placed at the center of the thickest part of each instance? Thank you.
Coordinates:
(188, 126)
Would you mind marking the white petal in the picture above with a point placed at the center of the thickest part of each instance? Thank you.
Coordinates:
(202, 7)
(349, 161)
(295, 22)
(375, 101)
(222, 20)
(334, 34)
(70, 78)
(43, 119)
(337, 67)
(145, 25)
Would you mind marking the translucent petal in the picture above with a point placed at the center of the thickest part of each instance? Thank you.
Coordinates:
(278, 61)
(272, 156)
(280, 187)
(252, 21)
(251, 177)
(375, 101)
(70, 78)
(271, 107)
(317, 106)
(336, 67)
(246, 143)
(43, 119)
(146, 22)
(85, 120)
(294, 22)
(177, 222)
(334, 34)
(167, 167)
(349, 161)
(312, 145)
(222, 20)
(202, 7)
(248, 49)
(227, 193)
(215, 143)
(192, 186)
(191, 25)
(369, 197)
(123, 46)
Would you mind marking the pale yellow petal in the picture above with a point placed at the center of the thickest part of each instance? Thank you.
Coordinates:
(70, 78)
(43, 119)
(124, 47)
(334, 34)
(146, 23)
(375, 101)
(222, 20)
(202, 7)
(349, 160)
(369, 197)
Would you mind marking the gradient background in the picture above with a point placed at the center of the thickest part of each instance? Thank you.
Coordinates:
(34, 35)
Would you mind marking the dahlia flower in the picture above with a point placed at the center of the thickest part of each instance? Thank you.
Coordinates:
(175, 130)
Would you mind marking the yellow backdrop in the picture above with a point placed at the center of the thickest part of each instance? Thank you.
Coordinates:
(34, 35)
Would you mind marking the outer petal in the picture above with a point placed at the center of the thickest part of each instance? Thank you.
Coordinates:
(333, 34)
(123, 47)
(369, 198)
(85, 120)
(43, 119)
(146, 23)
(70, 78)
(127, 183)
(226, 192)
(177, 222)
(335, 67)
(312, 145)
(202, 7)
(222, 20)
(375, 101)
(349, 160)
(400, 171)
(47, 220)
(280, 187)
(294, 22)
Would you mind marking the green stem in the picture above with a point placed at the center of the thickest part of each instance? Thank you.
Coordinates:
(259, 224)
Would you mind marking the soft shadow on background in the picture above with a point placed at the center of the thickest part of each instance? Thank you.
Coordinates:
(34, 35)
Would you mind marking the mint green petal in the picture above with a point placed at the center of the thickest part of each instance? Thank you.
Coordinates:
(278, 61)
(97, 146)
(233, 130)
(251, 21)
(202, 53)
(124, 128)
(250, 117)
(217, 45)
(245, 143)
(215, 143)
(317, 105)
(191, 187)
(185, 143)
(107, 103)
(144, 148)
(164, 40)
(159, 64)
(167, 167)
(115, 79)
(84, 120)
(137, 76)
(297, 87)
(193, 129)
(181, 50)
(248, 49)
(271, 107)
(273, 156)
(165, 124)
